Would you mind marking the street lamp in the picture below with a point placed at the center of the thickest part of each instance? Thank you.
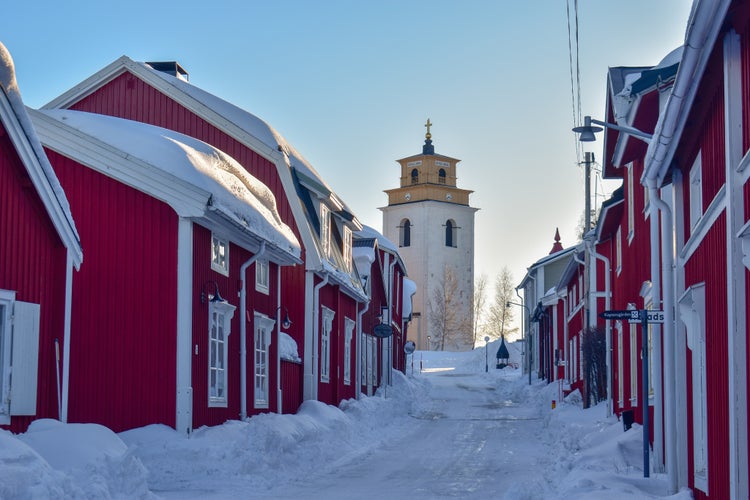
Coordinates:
(587, 130)
(486, 365)
(429, 346)
(527, 338)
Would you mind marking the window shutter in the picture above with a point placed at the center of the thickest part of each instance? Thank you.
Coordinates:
(25, 359)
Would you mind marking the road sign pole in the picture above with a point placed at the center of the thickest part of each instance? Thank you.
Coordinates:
(644, 392)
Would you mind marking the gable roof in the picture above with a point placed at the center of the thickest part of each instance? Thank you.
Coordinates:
(197, 180)
(300, 180)
(24, 138)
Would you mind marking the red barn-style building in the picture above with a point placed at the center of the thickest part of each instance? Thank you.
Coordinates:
(323, 296)
(39, 251)
(176, 319)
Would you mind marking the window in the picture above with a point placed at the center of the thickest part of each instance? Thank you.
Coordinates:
(347, 248)
(450, 233)
(325, 230)
(692, 306)
(263, 329)
(696, 192)
(19, 355)
(219, 255)
(441, 176)
(219, 327)
(348, 334)
(325, 344)
(618, 251)
(414, 176)
(620, 367)
(634, 355)
(405, 233)
(631, 204)
(261, 276)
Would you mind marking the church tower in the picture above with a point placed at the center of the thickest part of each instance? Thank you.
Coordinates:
(431, 220)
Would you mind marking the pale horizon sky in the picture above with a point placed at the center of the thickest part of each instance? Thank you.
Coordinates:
(351, 84)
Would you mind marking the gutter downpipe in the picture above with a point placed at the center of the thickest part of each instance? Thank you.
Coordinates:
(243, 330)
(392, 309)
(358, 371)
(316, 334)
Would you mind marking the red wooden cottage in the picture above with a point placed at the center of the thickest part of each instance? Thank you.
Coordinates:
(176, 319)
(39, 251)
(383, 272)
(323, 296)
(698, 161)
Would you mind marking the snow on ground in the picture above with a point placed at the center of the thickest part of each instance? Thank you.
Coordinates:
(590, 454)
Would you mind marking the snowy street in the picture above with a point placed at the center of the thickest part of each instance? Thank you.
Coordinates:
(461, 445)
(451, 431)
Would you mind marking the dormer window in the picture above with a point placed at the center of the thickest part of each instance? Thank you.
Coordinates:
(414, 176)
(325, 230)
(347, 250)
(219, 255)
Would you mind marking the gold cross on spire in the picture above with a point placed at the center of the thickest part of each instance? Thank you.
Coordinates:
(428, 135)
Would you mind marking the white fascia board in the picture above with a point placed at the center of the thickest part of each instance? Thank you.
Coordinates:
(622, 137)
(186, 199)
(64, 226)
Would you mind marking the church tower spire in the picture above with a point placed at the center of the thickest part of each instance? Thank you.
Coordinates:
(430, 219)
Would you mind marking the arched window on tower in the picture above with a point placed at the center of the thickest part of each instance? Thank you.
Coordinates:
(441, 176)
(405, 233)
(450, 233)
(414, 176)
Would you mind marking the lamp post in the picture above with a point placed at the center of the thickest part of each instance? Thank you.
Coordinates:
(429, 346)
(486, 363)
(527, 338)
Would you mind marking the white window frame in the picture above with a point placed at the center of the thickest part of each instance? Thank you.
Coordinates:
(348, 335)
(620, 367)
(262, 274)
(631, 204)
(618, 250)
(692, 307)
(373, 360)
(263, 332)
(325, 229)
(220, 316)
(326, 316)
(19, 356)
(696, 191)
(219, 254)
(347, 250)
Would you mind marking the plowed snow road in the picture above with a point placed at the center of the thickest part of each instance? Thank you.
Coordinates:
(474, 439)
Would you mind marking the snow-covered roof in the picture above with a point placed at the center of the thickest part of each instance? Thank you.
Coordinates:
(23, 135)
(410, 288)
(383, 242)
(223, 185)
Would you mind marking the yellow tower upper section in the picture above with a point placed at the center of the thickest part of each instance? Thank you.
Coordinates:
(428, 176)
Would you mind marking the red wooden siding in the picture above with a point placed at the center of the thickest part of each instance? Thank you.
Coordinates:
(291, 386)
(122, 366)
(708, 264)
(33, 264)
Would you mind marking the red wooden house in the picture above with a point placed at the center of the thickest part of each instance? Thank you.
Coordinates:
(323, 296)
(176, 319)
(39, 251)
(381, 267)
(698, 159)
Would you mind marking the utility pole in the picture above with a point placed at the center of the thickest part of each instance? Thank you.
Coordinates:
(588, 160)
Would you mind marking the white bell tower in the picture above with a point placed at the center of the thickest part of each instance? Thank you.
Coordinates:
(430, 219)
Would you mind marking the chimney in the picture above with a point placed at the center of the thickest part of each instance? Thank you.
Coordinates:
(171, 68)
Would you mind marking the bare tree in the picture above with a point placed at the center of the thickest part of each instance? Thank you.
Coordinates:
(500, 317)
(478, 305)
(448, 319)
(594, 347)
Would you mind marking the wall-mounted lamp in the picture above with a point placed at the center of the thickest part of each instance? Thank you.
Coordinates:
(216, 297)
(286, 322)
(587, 130)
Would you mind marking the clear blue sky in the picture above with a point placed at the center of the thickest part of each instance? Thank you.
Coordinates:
(351, 83)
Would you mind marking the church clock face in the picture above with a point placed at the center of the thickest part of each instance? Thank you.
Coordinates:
(448, 196)
(407, 196)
